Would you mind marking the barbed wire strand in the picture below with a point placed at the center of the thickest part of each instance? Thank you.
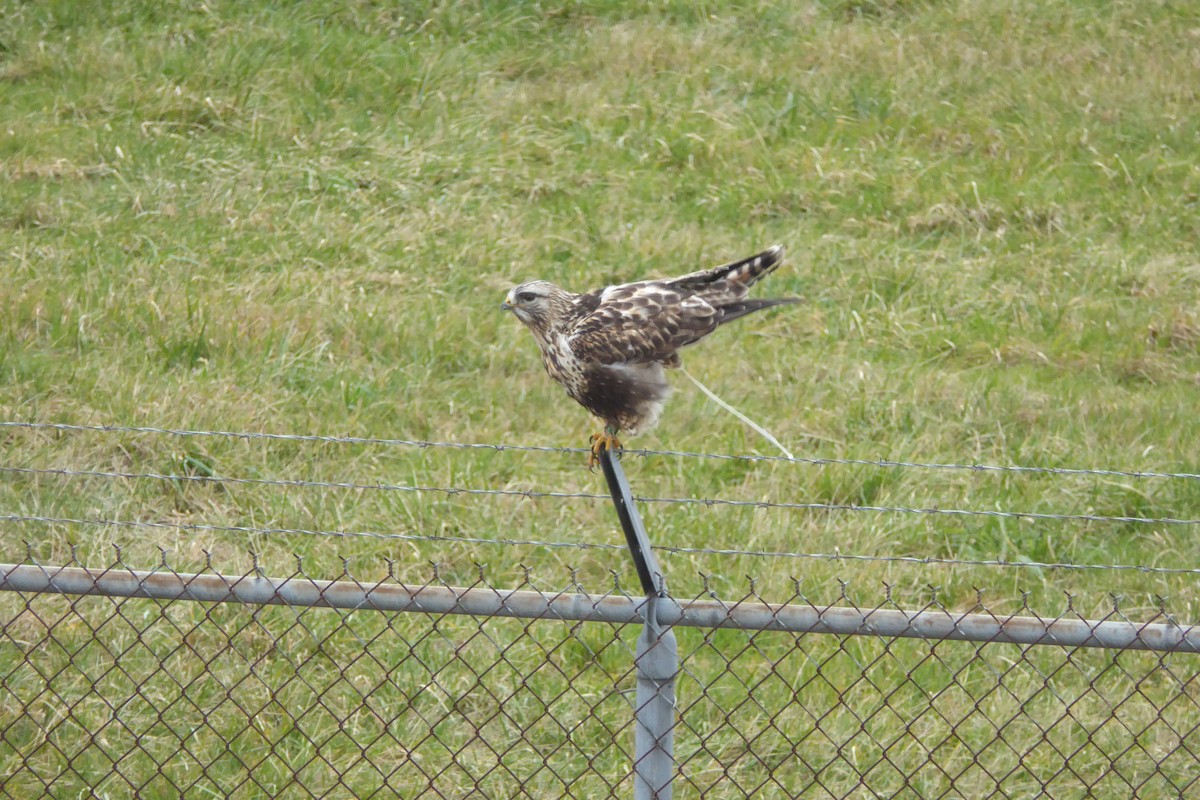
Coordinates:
(509, 542)
(299, 483)
(531, 494)
(212, 527)
(882, 463)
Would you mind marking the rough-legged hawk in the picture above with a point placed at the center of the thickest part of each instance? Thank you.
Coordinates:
(608, 348)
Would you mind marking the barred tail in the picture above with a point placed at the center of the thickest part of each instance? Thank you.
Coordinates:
(746, 271)
(750, 270)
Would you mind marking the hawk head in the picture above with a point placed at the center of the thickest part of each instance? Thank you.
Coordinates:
(540, 305)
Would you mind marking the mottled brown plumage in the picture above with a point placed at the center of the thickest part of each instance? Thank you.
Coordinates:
(609, 348)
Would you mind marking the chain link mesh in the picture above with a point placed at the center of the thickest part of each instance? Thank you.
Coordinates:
(108, 696)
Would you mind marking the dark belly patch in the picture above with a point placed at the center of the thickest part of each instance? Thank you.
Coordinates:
(621, 397)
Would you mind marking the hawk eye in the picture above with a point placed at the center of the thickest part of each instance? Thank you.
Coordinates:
(527, 297)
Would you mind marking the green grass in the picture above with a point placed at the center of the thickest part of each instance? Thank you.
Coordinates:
(302, 219)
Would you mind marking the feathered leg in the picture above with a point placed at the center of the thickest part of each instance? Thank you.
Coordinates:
(604, 441)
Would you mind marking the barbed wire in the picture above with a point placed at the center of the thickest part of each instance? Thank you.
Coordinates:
(882, 463)
(300, 483)
(531, 494)
(510, 542)
(970, 562)
(215, 528)
(293, 437)
(886, 463)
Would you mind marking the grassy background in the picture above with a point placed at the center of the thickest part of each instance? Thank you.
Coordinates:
(302, 219)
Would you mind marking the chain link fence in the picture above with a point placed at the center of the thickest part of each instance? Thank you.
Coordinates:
(125, 677)
(120, 683)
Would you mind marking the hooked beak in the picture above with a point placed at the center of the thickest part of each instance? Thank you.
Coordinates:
(505, 306)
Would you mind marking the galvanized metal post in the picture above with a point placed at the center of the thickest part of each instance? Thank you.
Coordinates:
(657, 654)
(654, 718)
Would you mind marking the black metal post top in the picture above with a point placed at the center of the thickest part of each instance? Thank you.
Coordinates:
(649, 574)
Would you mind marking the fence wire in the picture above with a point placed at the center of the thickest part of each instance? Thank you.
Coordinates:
(502, 541)
(531, 494)
(159, 696)
(883, 463)
(159, 682)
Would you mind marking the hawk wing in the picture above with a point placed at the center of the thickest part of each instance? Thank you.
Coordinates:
(648, 321)
(640, 323)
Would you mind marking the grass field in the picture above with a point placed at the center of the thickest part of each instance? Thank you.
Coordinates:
(302, 219)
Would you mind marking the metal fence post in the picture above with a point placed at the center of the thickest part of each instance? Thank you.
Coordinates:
(657, 656)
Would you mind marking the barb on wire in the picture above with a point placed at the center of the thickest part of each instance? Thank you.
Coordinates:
(531, 494)
(511, 542)
(882, 463)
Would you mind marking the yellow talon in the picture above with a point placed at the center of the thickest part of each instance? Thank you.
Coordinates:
(600, 443)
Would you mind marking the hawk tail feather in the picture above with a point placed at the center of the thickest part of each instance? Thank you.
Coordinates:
(745, 271)
(750, 270)
(741, 308)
